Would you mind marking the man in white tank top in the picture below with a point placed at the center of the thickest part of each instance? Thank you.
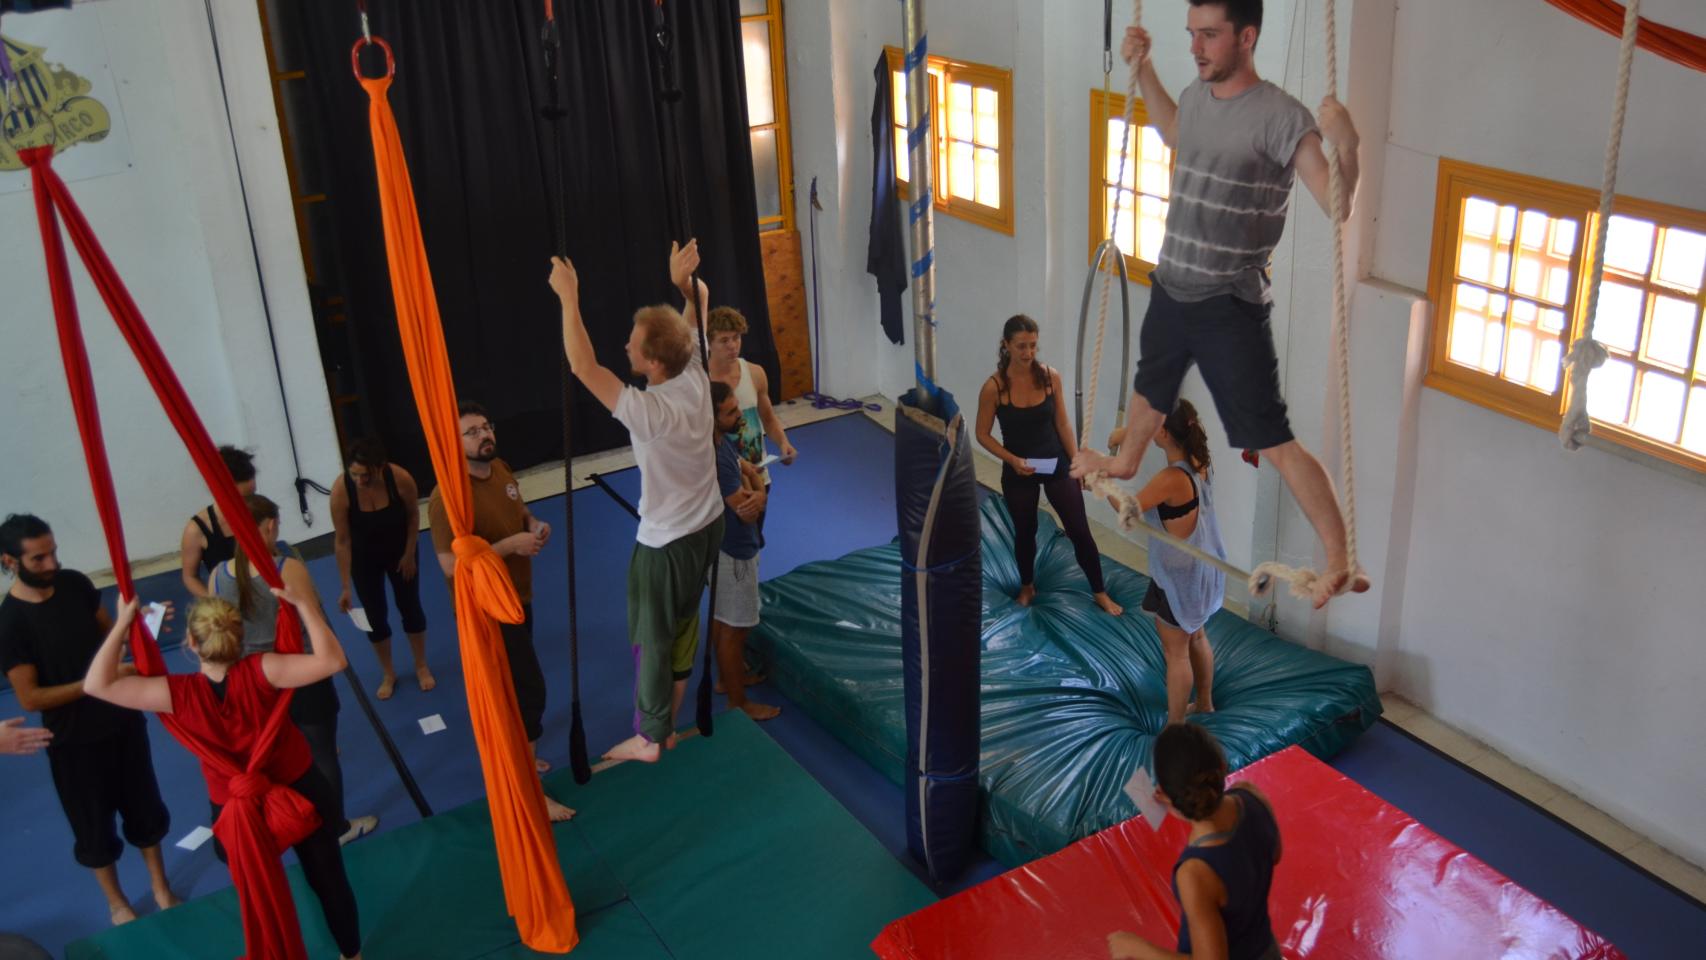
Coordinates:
(725, 327)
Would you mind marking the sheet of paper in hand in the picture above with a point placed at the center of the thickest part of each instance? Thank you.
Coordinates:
(1141, 789)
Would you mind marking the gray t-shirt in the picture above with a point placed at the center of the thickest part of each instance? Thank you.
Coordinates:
(1232, 180)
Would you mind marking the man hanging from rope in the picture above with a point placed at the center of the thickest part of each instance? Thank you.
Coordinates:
(1239, 143)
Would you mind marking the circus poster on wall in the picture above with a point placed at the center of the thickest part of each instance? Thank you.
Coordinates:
(61, 91)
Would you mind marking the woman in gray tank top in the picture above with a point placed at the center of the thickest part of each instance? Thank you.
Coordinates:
(1183, 591)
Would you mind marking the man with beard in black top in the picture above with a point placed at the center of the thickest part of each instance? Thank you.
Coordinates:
(51, 624)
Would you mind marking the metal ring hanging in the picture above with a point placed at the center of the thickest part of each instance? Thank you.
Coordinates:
(1102, 251)
(355, 57)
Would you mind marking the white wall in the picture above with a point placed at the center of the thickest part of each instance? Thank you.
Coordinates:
(1551, 597)
(1535, 599)
(173, 225)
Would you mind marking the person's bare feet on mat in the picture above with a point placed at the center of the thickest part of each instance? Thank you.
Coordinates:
(557, 812)
(635, 747)
(424, 677)
(760, 711)
(1108, 605)
(1027, 593)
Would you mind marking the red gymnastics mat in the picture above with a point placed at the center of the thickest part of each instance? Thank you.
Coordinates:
(1357, 878)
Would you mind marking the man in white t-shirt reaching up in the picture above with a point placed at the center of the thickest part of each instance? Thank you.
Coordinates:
(681, 509)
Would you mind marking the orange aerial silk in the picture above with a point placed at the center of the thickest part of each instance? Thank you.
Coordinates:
(1677, 46)
(534, 889)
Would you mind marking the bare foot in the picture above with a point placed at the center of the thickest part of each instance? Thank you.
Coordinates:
(542, 766)
(424, 677)
(121, 913)
(1027, 593)
(1337, 581)
(760, 711)
(557, 812)
(670, 741)
(387, 687)
(1195, 707)
(635, 747)
(165, 899)
(1107, 603)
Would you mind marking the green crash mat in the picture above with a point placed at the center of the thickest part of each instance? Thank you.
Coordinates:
(1072, 698)
(725, 849)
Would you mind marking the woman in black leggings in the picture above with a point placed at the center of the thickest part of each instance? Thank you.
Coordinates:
(1036, 447)
(376, 520)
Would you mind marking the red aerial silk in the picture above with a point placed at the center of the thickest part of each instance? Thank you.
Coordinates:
(262, 818)
(1677, 46)
(534, 889)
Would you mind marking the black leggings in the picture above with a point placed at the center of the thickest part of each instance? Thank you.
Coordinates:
(1067, 497)
(524, 673)
(322, 865)
(322, 737)
(368, 578)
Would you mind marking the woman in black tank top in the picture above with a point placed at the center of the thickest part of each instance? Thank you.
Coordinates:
(1036, 447)
(206, 542)
(376, 519)
(1224, 875)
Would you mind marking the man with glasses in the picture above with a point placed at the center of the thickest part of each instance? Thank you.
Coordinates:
(502, 519)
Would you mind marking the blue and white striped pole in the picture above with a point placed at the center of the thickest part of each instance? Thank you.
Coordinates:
(919, 145)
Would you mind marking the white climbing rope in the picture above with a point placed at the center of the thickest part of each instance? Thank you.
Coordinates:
(1588, 354)
(1259, 582)
(1303, 580)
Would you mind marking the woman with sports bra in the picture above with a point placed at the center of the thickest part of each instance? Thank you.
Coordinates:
(1035, 449)
(207, 540)
(1223, 875)
(1183, 591)
(376, 522)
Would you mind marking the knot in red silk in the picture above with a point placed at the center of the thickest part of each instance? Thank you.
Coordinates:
(249, 786)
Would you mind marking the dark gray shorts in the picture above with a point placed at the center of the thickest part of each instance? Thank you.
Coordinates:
(1233, 342)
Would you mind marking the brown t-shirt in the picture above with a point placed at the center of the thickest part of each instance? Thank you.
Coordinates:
(499, 512)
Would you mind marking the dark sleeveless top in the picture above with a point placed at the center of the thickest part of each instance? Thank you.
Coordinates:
(1245, 866)
(1027, 432)
(221, 546)
(377, 536)
(1184, 509)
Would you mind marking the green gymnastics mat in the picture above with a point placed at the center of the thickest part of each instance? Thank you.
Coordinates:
(1071, 698)
(725, 849)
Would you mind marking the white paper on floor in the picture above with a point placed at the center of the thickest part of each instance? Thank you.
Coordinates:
(432, 724)
(195, 838)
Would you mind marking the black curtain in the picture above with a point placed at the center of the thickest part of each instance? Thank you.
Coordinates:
(469, 94)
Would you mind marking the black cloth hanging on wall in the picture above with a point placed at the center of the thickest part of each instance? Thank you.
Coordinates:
(885, 256)
(469, 87)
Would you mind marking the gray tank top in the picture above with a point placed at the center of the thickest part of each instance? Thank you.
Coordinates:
(1194, 589)
(262, 621)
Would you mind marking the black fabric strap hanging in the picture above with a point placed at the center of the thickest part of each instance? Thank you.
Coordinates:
(664, 62)
(303, 484)
(554, 114)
